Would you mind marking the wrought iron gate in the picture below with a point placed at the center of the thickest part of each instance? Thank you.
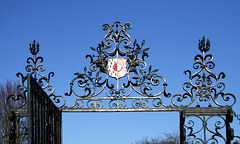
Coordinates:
(137, 87)
(44, 118)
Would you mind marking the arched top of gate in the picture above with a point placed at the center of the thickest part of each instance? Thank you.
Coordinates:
(118, 78)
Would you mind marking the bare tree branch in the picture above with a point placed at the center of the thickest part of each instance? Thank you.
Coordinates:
(7, 89)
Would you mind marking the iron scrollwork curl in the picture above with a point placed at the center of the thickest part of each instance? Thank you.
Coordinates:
(95, 104)
(117, 36)
(236, 140)
(204, 85)
(140, 103)
(78, 103)
(18, 99)
(117, 103)
(205, 129)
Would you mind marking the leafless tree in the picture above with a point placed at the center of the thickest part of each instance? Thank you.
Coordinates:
(10, 88)
(169, 138)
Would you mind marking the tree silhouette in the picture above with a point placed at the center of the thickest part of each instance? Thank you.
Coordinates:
(7, 89)
(169, 138)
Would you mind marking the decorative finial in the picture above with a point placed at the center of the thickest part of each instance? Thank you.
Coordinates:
(117, 33)
(34, 48)
(202, 46)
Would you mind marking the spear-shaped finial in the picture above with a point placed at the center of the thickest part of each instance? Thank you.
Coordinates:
(202, 46)
(34, 48)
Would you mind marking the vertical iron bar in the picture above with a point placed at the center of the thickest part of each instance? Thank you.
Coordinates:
(52, 125)
(44, 120)
(36, 116)
(229, 130)
(13, 134)
(182, 129)
(47, 122)
(204, 127)
(41, 119)
(117, 45)
(29, 109)
(60, 125)
(55, 126)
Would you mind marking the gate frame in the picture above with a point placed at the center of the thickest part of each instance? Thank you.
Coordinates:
(115, 35)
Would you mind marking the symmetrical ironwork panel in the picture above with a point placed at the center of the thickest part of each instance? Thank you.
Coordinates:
(118, 76)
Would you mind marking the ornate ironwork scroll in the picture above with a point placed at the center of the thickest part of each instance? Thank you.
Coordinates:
(116, 70)
(204, 86)
(205, 90)
(210, 127)
(34, 70)
(119, 77)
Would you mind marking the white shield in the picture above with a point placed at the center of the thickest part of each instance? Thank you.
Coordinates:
(117, 67)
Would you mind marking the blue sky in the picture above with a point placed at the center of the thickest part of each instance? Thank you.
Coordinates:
(171, 28)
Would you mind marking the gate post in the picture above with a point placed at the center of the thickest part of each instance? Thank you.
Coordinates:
(182, 129)
(12, 134)
(229, 130)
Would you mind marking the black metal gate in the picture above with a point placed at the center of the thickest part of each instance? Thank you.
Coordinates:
(44, 118)
(142, 90)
